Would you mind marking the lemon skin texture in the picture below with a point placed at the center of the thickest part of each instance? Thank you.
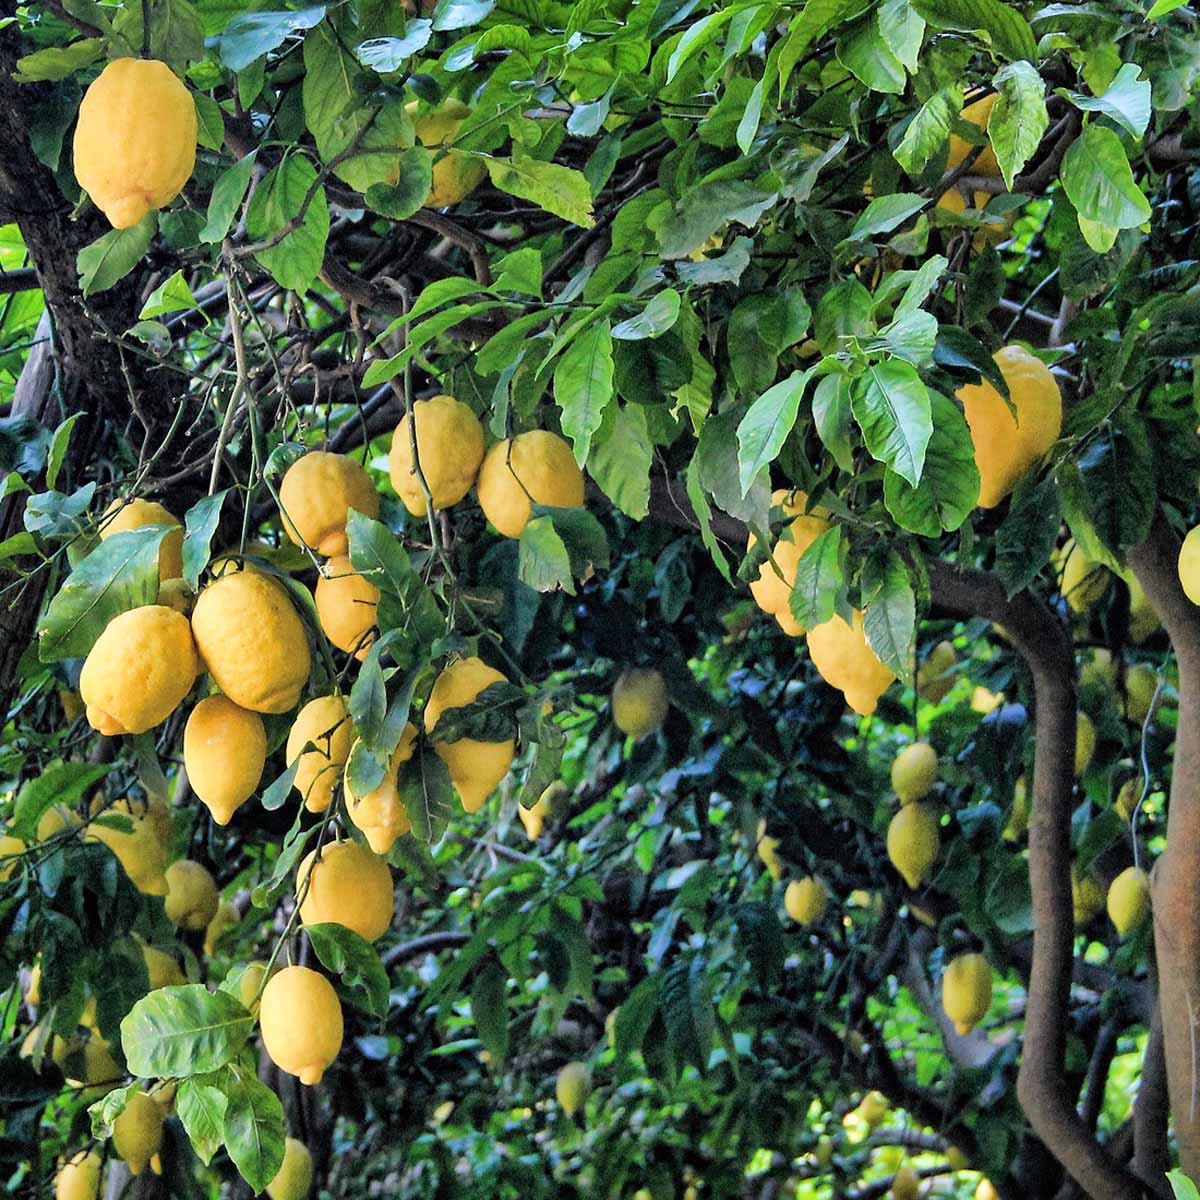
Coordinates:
(139, 670)
(985, 162)
(143, 852)
(79, 1177)
(348, 886)
(300, 1018)
(252, 641)
(640, 702)
(325, 722)
(192, 896)
(135, 140)
(449, 449)
(537, 465)
(316, 496)
(805, 900)
(475, 767)
(346, 603)
(123, 515)
(138, 1133)
(224, 752)
(772, 589)
(294, 1180)
(914, 772)
(572, 1087)
(380, 814)
(913, 842)
(845, 660)
(967, 991)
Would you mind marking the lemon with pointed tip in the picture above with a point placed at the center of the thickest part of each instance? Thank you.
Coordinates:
(772, 590)
(935, 676)
(1141, 684)
(1129, 900)
(346, 603)
(252, 641)
(324, 726)
(141, 851)
(348, 885)
(845, 660)
(533, 468)
(806, 900)
(123, 515)
(906, 1184)
(224, 752)
(380, 813)
(967, 991)
(913, 842)
(640, 702)
(1085, 742)
(138, 670)
(293, 1181)
(534, 817)
(192, 896)
(135, 140)
(476, 767)
(301, 1022)
(767, 849)
(138, 1133)
(316, 496)
(79, 1177)
(572, 1087)
(449, 453)
(914, 772)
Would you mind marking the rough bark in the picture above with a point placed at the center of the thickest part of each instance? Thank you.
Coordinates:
(1151, 1111)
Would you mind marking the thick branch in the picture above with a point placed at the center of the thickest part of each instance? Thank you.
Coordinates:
(1151, 1110)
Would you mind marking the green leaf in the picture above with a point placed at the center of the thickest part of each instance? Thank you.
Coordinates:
(413, 171)
(388, 54)
(819, 580)
(251, 35)
(458, 14)
(489, 1008)
(172, 295)
(114, 254)
(886, 213)
(929, 129)
(187, 1030)
(425, 789)
(558, 546)
(766, 425)
(997, 22)
(1126, 100)
(1181, 1185)
(583, 386)
(831, 413)
(176, 33)
(254, 1126)
(687, 1013)
(227, 195)
(1018, 119)
(58, 783)
(520, 271)
(892, 408)
(1028, 533)
(119, 574)
(890, 612)
(620, 459)
(560, 190)
(1099, 181)
(201, 1108)
(659, 315)
(697, 35)
(747, 128)
(903, 30)
(707, 209)
(864, 53)
(351, 957)
(1116, 470)
(277, 794)
(290, 190)
(58, 62)
(1160, 9)
(490, 717)
(634, 1018)
(58, 448)
(201, 521)
(808, 26)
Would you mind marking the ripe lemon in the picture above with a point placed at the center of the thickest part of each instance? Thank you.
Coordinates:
(986, 1191)
(192, 896)
(294, 1178)
(1143, 620)
(138, 1133)
(139, 670)
(301, 1022)
(639, 702)
(772, 590)
(914, 772)
(935, 676)
(805, 900)
(1085, 742)
(1129, 899)
(224, 751)
(250, 985)
(906, 1184)
(992, 229)
(534, 818)
(913, 842)
(967, 991)
(985, 162)
(476, 768)
(455, 174)
(1098, 671)
(381, 814)
(873, 1109)
(450, 450)
(11, 848)
(1189, 565)
(142, 852)
(348, 886)
(161, 968)
(123, 515)
(252, 641)
(1082, 581)
(1127, 798)
(1141, 682)
(346, 604)
(572, 1086)
(1087, 897)
(316, 495)
(135, 141)
(1005, 449)
(79, 1177)
(1018, 818)
(537, 466)
(845, 660)
(984, 702)
(767, 848)
(325, 723)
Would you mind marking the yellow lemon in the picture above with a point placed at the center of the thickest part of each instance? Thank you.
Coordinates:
(455, 174)
(323, 723)
(224, 751)
(1006, 448)
(534, 818)
(123, 515)
(572, 1086)
(1141, 682)
(142, 852)
(873, 1109)
(935, 676)
(348, 886)
(250, 985)
(1083, 582)
(139, 670)
(906, 1184)
(176, 594)
(11, 848)
(772, 590)
(294, 1178)
(301, 1022)
(767, 848)
(346, 604)
(1085, 742)
(449, 449)
(161, 968)
(537, 466)
(983, 701)
(1128, 796)
(1143, 620)
(805, 900)
(845, 660)
(914, 772)
(913, 842)
(986, 1191)
(476, 768)
(138, 1133)
(1087, 897)
(1018, 819)
(79, 1177)
(639, 702)
(985, 162)
(1129, 899)
(381, 814)
(967, 991)
(252, 641)
(316, 495)
(192, 896)
(135, 140)
(1189, 565)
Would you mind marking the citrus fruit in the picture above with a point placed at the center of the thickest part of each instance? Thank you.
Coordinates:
(139, 670)
(1189, 565)
(161, 968)
(1018, 817)
(323, 723)
(1141, 683)
(11, 848)
(772, 589)
(348, 885)
(346, 604)
(455, 174)
(301, 1022)
(767, 848)
(250, 979)
(315, 498)
(381, 814)
(1085, 742)
(985, 163)
(123, 515)
(536, 467)
(906, 1184)
(873, 1109)
(805, 900)
(142, 851)
(935, 676)
(79, 1177)
(1128, 797)
(224, 751)
(1082, 581)
(1143, 620)
(294, 1178)
(845, 660)
(913, 842)
(192, 896)
(967, 991)
(986, 1191)
(1129, 899)
(639, 702)
(138, 1132)
(1087, 897)
(449, 449)
(572, 1086)
(914, 772)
